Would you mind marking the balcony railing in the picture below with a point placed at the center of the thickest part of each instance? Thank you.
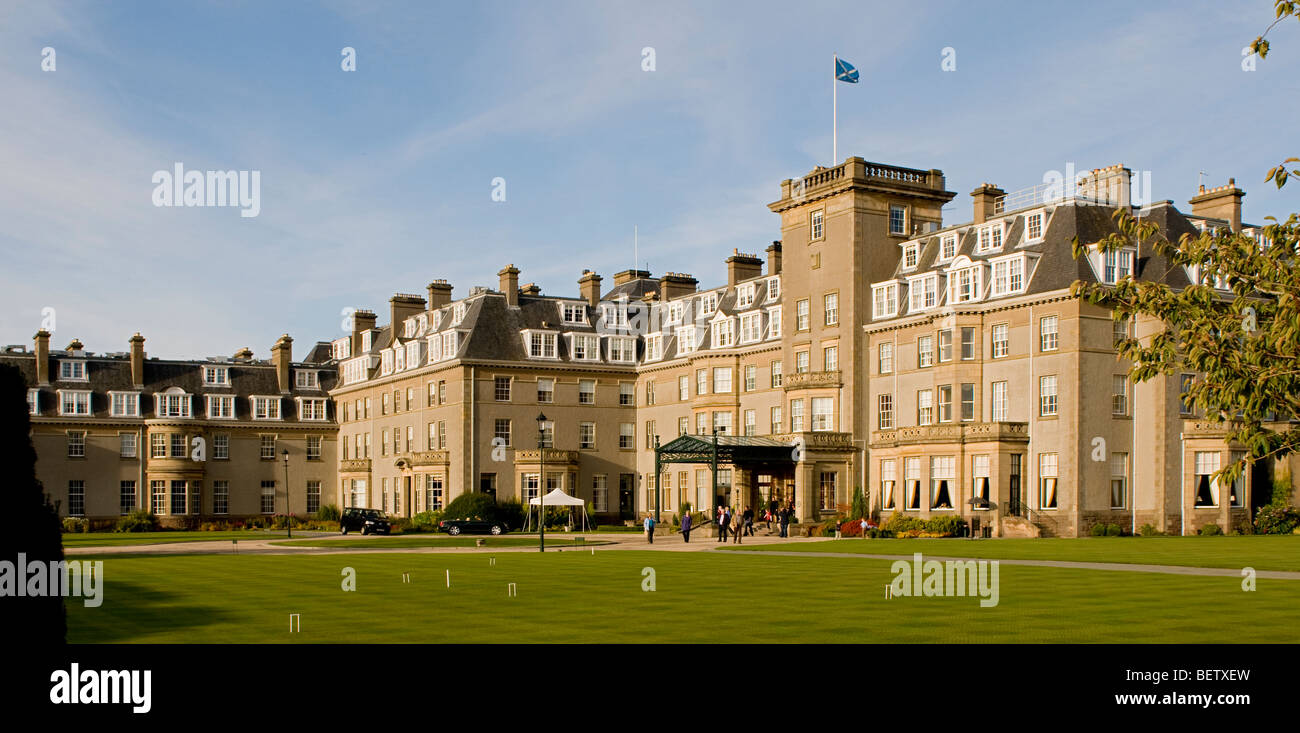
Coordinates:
(974, 432)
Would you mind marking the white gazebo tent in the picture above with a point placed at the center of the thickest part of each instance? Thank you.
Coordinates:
(556, 498)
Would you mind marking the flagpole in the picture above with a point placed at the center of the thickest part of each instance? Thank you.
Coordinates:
(835, 111)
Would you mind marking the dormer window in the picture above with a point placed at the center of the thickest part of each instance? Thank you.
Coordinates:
(654, 347)
(540, 345)
(367, 341)
(948, 246)
(311, 408)
(1117, 265)
(172, 403)
(409, 328)
(1008, 275)
(307, 378)
(437, 320)
(774, 322)
(1035, 223)
(965, 284)
(74, 402)
(457, 314)
(341, 349)
(884, 300)
(124, 404)
(72, 370)
(708, 304)
(990, 237)
(773, 288)
(675, 311)
(923, 292)
(745, 295)
(911, 255)
(573, 312)
(584, 347)
(622, 349)
(751, 327)
(724, 333)
(686, 340)
(399, 357)
(265, 408)
(216, 376)
(386, 362)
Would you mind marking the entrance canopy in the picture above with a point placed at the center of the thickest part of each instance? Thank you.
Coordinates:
(725, 449)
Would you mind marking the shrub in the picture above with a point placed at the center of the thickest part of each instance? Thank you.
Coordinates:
(328, 513)
(1211, 530)
(1098, 530)
(1245, 527)
(860, 508)
(471, 505)
(1149, 530)
(946, 526)
(1114, 530)
(73, 525)
(510, 511)
(1274, 519)
(901, 523)
(137, 521)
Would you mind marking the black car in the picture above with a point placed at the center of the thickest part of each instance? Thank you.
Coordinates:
(472, 526)
(367, 521)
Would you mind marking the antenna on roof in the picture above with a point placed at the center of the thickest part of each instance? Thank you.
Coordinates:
(1200, 180)
(636, 251)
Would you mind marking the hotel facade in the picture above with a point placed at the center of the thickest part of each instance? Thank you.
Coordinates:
(944, 370)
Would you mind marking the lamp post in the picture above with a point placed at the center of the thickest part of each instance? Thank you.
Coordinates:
(289, 520)
(541, 483)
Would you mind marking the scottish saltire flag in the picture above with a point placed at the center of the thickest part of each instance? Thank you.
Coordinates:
(844, 71)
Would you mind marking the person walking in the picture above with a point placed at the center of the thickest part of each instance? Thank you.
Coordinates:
(686, 526)
(749, 521)
(738, 532)
(649, 529)
(724, 524)
(785, 523)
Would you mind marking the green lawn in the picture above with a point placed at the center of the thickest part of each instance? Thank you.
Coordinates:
(700, 597)
(433, 541)
(113, 539)
(1262, 552)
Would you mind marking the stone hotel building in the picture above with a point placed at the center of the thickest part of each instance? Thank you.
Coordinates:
(944, 369)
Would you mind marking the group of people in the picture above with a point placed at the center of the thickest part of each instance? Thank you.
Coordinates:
(738, 525)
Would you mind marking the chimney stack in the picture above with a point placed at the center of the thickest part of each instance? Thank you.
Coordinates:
(741, 267)
(402, 306)
(439, 294)
(282, 357)
(42, 357)
(676, 284)
(986, 201)
(362, 320)
(244, 354)
(509, 284)
(1221, 202)
(589, 286)
(774, 258)
(531, 289)
(137, 360)
(1110, 185)
(628, 276)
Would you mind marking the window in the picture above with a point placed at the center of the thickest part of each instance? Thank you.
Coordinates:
(77, 498)
(33, 402)
(1237, 492)
(1008, 276)
(627, 435)
(948, 246)
(586, 348)
(306, 379)
(967, 402)
(312, 408)
(158, 497)
(774, 322)
(990, 237)
(126, 445)
(751, 377)
(600, 493)
(528, 488)
(178, 445)
(967, 343)
(442, 435)
(722, 423)
(1118, 480)
(724, 333)
(980, 477)
(911, 254)
(885, 412)
(721, 380)
(945, 403)
(541, 345)
(776, 374)
(801, 362)
(268, 447)
(999, 402)
(268, 497)
(701, 423)
(1034, 226)
(888, 479)
(1048, 335)
(884, 300)
(626, 393)
(500, 389)
(815, 226)
(574, 312)
(885, 357)
(827, 490)
(683, 425)
(823, 414)
(831, 301)
(221, 407)
(1184, 389)
(801, 315)
(751, 422)
(1117, 265)
(432, 492)
(547, 434)
(751, 327)
(126, 404)
(545, 390)
(776, 420)
(942, 473)
(383, 442)
(967, 284)
(897, 220)
(622, 349)
(687, 340)
(924, 351)
(500, 430)
(945, 345)
(1001, 341)
(1207, 486)
(72, 371)
(313, 497)
(267, 408)
(221, 446)
(76, 444)
(701, 381)
(1047, 395)
(314, 443)
(654, 347)
(924, 407)
(912, 482)
(126, 497)
(178, 497)
(745, 295)
(922, 293)
(1119, 395)
(586, 435)
(74, 402)
(1119, 330)
(796, 416)
(587, 391)
(708, 304)
(1047, 464)
(831, 358)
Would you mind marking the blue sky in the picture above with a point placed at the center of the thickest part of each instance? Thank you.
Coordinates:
(379, 180)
